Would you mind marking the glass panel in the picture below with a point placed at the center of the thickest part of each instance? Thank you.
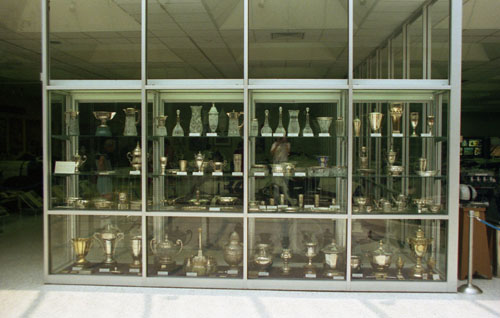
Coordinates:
(398, 250)
(384, 71)
(298, 152)
(296, 249)
(195, 39)
(440, 14)
(298, 39)
(415, 32)
(375, 22)
(95, 245)
(95, 163)
(397, 49)
(197, 148)
(195, 247)
(95, 39)
(399, 169)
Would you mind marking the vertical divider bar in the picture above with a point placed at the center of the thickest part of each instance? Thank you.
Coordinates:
(350, 140)
(246, 119)
(44, 77)
(144, 168)
(454, 138)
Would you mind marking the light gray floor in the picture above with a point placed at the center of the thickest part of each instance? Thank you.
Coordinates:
(22, 294)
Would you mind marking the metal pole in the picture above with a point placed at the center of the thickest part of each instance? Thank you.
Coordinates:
(469, 288)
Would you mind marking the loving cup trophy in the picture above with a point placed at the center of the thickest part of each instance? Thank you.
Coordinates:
(109, 239)
(103, 129)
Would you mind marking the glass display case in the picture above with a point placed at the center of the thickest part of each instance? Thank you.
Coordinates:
(317, 175)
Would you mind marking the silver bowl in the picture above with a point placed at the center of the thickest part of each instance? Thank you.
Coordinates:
(395, 170)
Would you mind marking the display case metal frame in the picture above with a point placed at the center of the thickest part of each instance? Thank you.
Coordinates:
(453, 85)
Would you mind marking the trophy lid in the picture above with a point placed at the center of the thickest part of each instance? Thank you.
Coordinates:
(213, 110)
(234, 237)
(137, 150)
(199, 155)
(420, 233)
(381, 249)
(331, 248)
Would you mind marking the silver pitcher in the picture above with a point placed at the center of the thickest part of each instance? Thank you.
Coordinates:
(166, 251)
(109, 239)
(195, 125)
(132, 118)
(161, 127)
(234, 124)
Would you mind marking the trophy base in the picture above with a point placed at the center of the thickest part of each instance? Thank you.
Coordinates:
(309, 270)
(136, 264)
(330, 273)
(380, 275)
(103, 131)
(81, 263)
(285, 271)
(168, 266)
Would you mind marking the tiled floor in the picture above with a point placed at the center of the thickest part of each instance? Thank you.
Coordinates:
(22, 294)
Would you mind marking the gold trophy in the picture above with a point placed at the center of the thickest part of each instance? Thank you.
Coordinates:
(79, 161)
(310, 253)
(418, 245)
(286, 255)
(81, 246)
(163, 164)
(332, 255)
(376, 121)
(357, 127)
(414, 123)
(380, 260)
(400, 263)
(396, 114)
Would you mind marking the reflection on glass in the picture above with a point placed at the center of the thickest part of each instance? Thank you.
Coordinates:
(296, 248)
(297, 39)
(95, 39)
(195, 39)
(394, 250)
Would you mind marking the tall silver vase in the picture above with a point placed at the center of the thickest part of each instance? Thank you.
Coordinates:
(195, 125)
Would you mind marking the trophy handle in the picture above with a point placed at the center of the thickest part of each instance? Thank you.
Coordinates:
(96, 237)
(129, 157)
(224, 163)
(179, 242)
(153, 245)
(138, 117)
(119, 237)
(190, 234)
(84, 159)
